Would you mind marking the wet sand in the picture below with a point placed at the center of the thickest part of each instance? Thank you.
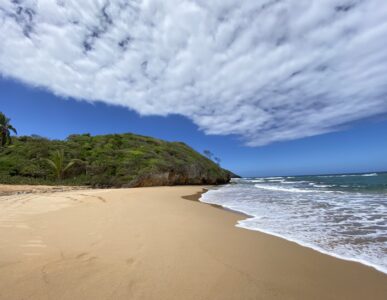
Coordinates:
(150, 243)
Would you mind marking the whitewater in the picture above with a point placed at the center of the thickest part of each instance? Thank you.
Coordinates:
(341, 215)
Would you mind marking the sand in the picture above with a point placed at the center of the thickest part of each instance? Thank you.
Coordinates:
(150, 243)
(8, 189)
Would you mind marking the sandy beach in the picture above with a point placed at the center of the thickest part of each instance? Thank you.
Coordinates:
(151, 243)
(8, 189)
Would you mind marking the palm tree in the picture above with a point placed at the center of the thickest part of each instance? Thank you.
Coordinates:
(57, 163)
(5, 130)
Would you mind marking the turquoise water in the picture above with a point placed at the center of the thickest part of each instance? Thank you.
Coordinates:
(343, 215)
(366, 182)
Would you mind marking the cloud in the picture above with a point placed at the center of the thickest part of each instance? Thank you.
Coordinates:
(266, 70)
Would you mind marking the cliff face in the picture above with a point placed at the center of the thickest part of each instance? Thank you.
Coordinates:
(120, 160)
(190, 175)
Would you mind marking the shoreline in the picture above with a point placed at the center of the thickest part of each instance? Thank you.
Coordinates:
(196, 197)
(151, 243)
(8, 190)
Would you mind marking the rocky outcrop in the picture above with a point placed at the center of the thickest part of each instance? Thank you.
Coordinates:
(233, 175)
(191, 175)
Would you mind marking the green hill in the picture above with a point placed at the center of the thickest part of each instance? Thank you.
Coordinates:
(118, 160)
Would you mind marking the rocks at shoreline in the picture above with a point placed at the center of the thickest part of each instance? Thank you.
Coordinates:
(190, 175)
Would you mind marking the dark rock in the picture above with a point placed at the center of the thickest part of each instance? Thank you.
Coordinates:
(191, 175)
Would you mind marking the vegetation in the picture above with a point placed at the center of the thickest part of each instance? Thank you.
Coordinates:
(5, 130)
(119, 160)
(58, 165)
(210, 155)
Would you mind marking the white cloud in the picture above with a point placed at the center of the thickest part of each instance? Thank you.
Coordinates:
(266, 70)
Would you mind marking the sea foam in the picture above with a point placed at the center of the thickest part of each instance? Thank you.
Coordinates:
(344, 224)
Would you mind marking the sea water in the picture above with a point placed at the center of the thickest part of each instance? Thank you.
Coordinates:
(341, 215)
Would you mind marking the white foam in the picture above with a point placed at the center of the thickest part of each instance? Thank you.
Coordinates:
(320, 185)
(288, 189)
(349, 175)
(258, 180)
(281, 189)
(324, 222)
(314, 247)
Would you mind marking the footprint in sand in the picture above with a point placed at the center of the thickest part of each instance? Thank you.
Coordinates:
(97, 197)
(85, 257)
(83, 254)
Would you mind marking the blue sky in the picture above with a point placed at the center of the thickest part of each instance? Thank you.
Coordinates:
(271, 87)
(360, 148)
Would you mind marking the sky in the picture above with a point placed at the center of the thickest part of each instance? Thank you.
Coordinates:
(272, 87)
(361, 147)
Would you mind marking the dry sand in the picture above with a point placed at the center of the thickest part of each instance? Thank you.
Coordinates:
(149, 243)
(8, 189)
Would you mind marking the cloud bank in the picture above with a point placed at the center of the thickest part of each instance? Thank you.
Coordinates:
(269, 70)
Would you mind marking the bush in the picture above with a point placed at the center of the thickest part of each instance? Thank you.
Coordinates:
(105, 160)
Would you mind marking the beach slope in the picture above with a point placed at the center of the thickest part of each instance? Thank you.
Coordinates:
(150, 243)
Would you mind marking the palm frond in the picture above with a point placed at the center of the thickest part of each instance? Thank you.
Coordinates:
(69, 165)
(13, 129)
(50, 162)
(57, 163)
(2, 118)
(5, 130)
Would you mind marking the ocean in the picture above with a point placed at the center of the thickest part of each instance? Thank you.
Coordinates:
(341, 215)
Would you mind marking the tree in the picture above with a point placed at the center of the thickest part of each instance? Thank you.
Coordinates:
(208, 154)
(58, 165)
(5, 130)
(211, 156)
